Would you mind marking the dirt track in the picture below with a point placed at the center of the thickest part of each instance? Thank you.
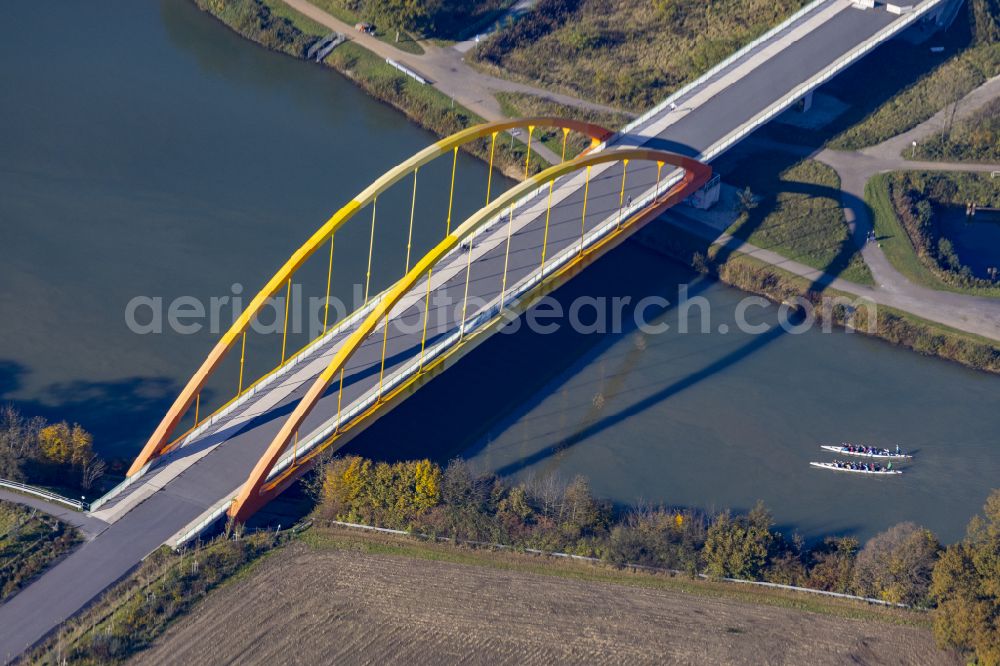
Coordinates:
(308, 605)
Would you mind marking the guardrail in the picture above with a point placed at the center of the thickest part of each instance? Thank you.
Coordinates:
(477, 321)
(44, 494)
(406, 70)
(835, 68)
(597, 560)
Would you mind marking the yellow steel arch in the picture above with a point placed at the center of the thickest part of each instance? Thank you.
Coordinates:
(251, 497)
(160, 438)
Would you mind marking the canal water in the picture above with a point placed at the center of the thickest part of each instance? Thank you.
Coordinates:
(146, 151)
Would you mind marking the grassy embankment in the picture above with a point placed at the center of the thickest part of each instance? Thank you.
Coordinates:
(892, 325)
(132, 613)
(942, 86)
(338, 538)
(520, 105)
(797, 213)
(911, 83)
(907, 85)
(915, 249)
(442, 21)
(973, 139)
(30, 541)
(276, 26)
(629, 54)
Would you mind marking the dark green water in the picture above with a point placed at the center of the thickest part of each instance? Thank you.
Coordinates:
(146, 150)
(977, 244)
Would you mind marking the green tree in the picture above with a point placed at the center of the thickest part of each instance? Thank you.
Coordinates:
(739, 547)
(400, 14)
(966, 586)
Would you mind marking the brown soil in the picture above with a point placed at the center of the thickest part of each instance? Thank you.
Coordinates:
(350, 602)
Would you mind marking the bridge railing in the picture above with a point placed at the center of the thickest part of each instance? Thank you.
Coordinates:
(707, 76)
(163, 440)
(44, 494)
(838, 65)
(480, 320)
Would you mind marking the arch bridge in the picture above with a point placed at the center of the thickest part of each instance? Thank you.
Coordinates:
(491, 266)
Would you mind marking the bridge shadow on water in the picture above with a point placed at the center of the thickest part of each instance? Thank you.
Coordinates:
(509, 375)
(112, 411)
(488, 391)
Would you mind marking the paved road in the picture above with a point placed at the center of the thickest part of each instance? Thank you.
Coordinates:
(213, 465)
(88, 525)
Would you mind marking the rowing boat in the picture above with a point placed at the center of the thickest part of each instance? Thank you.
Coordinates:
(861, 454)
(880, 472)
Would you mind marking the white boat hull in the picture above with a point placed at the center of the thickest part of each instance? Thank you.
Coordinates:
(859, 454)
(884, 472)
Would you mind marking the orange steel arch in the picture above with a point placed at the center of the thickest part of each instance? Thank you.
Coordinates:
(257, 491)
(160, 439)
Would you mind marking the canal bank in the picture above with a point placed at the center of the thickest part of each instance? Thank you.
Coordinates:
(278, 27)
(214, 175)
(709, 416)
(288, 31)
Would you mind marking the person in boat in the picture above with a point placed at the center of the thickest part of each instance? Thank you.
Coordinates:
(897, 449)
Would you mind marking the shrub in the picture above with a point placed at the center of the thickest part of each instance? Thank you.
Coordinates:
(833, 564)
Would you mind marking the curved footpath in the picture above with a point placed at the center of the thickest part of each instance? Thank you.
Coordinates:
(202, 475)
(855, 169)
(972, 314)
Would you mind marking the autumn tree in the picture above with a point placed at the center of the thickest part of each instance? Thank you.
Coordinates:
(833, 565)
(895, 565)
(738, 547)
(581, 513)
(469, 503)
(388, 494)
(64, 445)
(966, 586)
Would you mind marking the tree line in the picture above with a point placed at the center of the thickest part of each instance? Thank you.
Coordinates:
(905, 564)
(34, 451)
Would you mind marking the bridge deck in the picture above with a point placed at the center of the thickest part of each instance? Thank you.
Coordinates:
(215, 463)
